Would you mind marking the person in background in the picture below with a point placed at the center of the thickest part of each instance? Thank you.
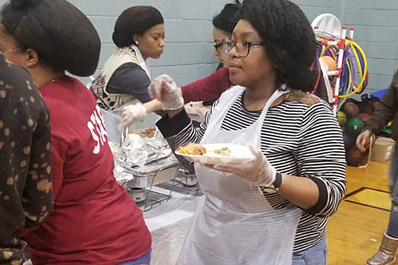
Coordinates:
(94, 221)
(25, 151)
(210, 88)
(385, 112)
(138, 34)
(206, 89)
(297, 177)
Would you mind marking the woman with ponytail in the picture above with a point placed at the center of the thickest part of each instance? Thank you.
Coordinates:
(94, 221)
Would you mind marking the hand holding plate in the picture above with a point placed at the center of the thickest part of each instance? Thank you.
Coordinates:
(258, 171)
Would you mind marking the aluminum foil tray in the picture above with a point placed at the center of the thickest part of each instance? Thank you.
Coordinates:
(154, 173)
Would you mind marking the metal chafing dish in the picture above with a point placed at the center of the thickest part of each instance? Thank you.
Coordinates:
(147, 176)
(143, 159)
(153, 173)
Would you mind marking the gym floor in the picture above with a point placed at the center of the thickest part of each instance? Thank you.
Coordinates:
(356, 229)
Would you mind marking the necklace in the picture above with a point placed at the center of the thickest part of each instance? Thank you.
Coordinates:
(52, 80)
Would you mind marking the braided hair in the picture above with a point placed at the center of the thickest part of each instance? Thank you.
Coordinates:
(289, 40)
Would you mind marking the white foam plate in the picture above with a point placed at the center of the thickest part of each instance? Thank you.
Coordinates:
(239, 154)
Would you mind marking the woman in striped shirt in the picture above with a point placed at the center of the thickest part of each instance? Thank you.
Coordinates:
(299, 165)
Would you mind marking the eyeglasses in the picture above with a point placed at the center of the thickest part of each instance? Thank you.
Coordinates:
(222, 43)
(242, 48)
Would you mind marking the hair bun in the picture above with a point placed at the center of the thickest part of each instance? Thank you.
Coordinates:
(135, 20)
(58, 31)
(23, 4)
(121, 39)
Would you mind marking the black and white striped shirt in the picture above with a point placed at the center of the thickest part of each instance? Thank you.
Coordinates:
(297, 139)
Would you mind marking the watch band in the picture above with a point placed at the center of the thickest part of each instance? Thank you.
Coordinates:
(278, 181)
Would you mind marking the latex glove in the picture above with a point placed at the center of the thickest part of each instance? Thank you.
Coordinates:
(196, 113)
(164, 89)
(132, 114)
(259, 171)
(363, 140)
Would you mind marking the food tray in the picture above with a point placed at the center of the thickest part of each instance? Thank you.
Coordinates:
(153, 173)
(155, 166)
(146, 176)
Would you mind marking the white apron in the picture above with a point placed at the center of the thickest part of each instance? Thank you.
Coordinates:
(236, 225)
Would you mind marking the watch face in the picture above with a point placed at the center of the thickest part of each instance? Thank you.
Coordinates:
(278, 181)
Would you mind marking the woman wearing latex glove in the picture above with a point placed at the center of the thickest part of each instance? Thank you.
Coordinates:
(138, 35)
(298, 176)
(208, 88)
(259, 171)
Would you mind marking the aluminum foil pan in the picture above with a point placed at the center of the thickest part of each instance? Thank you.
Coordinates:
(153, 173)
(143, 157)
(139, 150)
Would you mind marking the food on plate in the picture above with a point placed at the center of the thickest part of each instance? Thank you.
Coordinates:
(223, 151)
(192, 149)
(197, 149)
(149, 132)
(197, 104)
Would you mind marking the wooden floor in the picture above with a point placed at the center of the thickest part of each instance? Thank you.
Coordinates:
(355, 231)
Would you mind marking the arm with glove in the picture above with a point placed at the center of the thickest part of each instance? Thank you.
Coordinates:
(303, 192)
(166, 96)
(164, 89)
(137, 112)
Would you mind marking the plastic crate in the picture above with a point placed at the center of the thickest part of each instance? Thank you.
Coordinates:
(378, 94)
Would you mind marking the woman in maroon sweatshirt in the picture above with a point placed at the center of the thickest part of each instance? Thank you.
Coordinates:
(94, 221)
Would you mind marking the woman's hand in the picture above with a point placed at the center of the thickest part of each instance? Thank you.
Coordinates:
(363, 140)
(259, 171)
(132, 114)
(164, 89)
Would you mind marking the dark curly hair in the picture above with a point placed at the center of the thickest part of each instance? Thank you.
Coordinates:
(135, 20)
(58, 31)
(289, 40)
(227, 19)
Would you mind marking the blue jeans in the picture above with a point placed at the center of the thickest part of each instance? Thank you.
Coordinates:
(392, 229)
(146, 259)
(315, 255)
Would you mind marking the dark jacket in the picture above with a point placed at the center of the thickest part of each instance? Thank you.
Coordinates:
(386, 111)
(25, 155)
